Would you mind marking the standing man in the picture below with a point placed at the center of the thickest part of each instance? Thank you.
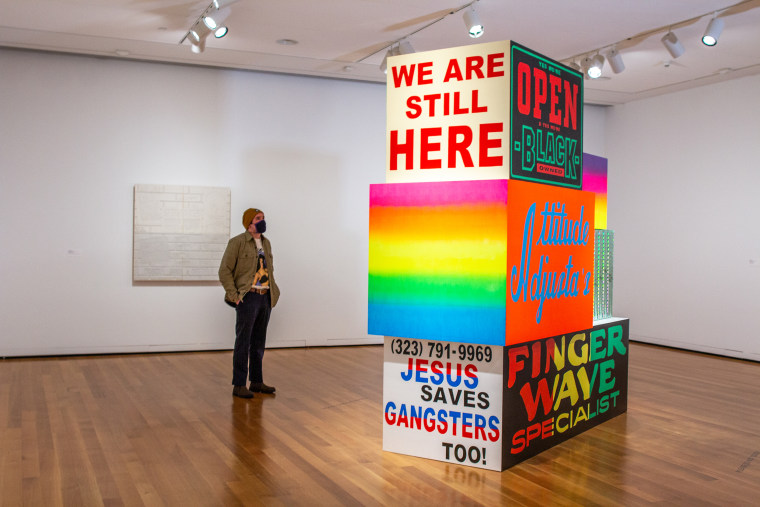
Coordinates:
(247, 275)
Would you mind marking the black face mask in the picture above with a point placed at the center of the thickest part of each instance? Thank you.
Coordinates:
(260, 226)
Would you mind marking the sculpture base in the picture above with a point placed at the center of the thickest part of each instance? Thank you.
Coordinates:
(492, 407)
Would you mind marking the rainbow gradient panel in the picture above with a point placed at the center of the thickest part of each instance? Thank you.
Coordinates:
(595, 180)
(437, 260)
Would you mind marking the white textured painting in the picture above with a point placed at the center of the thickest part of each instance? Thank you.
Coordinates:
(180, 232)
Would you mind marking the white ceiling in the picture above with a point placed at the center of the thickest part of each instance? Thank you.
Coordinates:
(347, 38)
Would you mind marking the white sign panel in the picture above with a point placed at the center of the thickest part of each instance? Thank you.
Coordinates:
(448, 114)
(443, 401)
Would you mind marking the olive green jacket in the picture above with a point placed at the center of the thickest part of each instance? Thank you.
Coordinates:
(239, 267)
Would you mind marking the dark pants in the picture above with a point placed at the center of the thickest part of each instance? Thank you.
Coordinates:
(250, 338)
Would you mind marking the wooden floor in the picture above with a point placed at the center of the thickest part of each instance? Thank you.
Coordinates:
(164, 430)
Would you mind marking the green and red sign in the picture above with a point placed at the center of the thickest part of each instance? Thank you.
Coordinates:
(558, 387)
(546, 120)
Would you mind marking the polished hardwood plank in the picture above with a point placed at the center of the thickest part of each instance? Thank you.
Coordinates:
(163, 429)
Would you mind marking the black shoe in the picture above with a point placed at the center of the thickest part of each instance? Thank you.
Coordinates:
(241, 392)
(262, 388)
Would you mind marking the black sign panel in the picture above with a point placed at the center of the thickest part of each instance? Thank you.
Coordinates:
(556, 388)
(546, 120)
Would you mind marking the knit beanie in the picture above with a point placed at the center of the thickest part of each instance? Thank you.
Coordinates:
(249, 215)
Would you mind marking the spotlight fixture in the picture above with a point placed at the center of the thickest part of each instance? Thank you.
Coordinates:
(393, 51)
(595, 67)
(210, 21)
(198, 47)
(585, 65)
(472, 21)
(405, 48)
(197, 37)
(198, 32)
(214, 18)
(672, 44)
(590, 67)
(616, 61)
(714, 28)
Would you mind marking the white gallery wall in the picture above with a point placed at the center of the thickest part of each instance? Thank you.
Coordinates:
(76, 135)
(683, 202)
